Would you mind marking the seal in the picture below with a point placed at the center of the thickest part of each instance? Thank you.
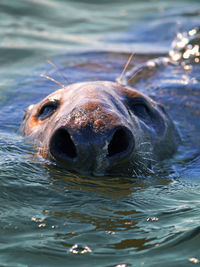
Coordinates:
(101, 128)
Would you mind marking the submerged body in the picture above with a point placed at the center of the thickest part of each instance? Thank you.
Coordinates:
(101, 128)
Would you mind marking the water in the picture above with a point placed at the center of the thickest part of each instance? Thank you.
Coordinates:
(45, 211)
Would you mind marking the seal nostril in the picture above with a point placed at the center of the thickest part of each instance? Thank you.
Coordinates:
(119, 143)
(61, 144)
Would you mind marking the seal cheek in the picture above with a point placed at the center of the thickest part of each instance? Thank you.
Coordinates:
(32, 126)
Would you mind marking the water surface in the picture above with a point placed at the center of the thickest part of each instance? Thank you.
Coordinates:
(47, 211)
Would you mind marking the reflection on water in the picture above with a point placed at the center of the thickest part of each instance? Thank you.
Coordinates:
(50, 216)
(186, 46)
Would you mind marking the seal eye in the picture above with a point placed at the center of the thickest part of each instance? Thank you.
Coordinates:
(141, 110)
(47, 110)
(140, 107)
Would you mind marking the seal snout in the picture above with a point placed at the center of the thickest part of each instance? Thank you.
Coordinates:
(74, 152)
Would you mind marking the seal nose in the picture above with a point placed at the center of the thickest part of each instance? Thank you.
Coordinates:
(121, 143)
(62, 145)
(85, 153)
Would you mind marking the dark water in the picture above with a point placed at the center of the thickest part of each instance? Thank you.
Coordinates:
(50, 217)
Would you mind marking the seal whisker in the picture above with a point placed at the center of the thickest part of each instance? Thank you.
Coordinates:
(51, 79)
(56, 68)
(147, 169)
(133, 171)
(144, 153)
(134, 75)
(141, 164)
(145, 143)
(136, 163)
(149, 159)
(138, 170)
(125, 67)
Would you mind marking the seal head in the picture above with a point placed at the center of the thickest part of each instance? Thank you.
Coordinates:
(101, 128)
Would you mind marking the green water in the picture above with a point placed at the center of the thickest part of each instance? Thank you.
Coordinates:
(45, 211)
